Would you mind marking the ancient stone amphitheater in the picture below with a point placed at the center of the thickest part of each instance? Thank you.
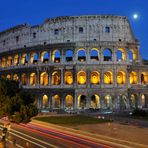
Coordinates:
(77, 62)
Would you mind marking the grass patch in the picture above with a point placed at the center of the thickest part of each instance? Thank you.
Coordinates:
(71, 120)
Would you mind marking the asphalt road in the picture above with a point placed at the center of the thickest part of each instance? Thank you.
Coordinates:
(35, 136)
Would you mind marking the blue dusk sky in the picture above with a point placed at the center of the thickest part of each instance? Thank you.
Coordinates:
(14, 12)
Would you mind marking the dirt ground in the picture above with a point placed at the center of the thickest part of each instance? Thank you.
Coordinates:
(116, 130)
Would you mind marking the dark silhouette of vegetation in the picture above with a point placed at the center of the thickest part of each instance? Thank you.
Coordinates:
(15, 103)
(140, 112)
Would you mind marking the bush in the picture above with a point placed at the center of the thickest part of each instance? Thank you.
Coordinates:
(139, 112)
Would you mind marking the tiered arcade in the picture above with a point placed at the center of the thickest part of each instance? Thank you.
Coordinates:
(77, 62)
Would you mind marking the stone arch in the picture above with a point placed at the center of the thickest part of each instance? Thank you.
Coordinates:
(134, 101)
(121, 54)
(81, 77)
(108, 103)
(56, 56)
(143, 100)
(108, 77)
(45, 102)
(44, 78)
(68, 77)
(144, 77)
(107, 54)
(44, 57)
(81, 101)
(8, 76)
(133, 77)
(69, 101)
(56, 78)
(3, 63)
(33, 58)
(33, 79)
(15, 77)
(132, 54)
(95, 77)
(121, 77)
(69, 55)
(56, 101)
(10, 61)
(24, 79)
(123, 103)
(95, 102)
(16, 59)
(24, 59)
(81, 54)
(94, 54)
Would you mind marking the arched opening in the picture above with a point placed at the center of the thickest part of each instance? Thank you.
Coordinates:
(133, 78)
(95, 77)
(123, 102)
(34, 58)
(121, 77)
(56, 56)
(81, 101)
(15, 77)
(16, 59)
(45, 102)
(56, 78)
(8, 77)
(132, 54)
(3, 62)
(108, 102)
(24, 59)
(44, 57)
(94, 54)
(95, 102)
(81, 55)
(120, 54)
(144, 78)
(69, 55)
(143, 101)
(81, 77)
(108, 77)
(44, 78)
(24, 79)
(33, 79)
(69, 101)
(134, 101)
(68, 77)
(107, 53)
(56, 101)
(9, 62)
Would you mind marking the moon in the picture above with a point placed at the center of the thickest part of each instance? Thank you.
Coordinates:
(135, 16)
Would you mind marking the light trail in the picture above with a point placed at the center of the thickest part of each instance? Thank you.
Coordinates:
(81, 139)
(55, 137)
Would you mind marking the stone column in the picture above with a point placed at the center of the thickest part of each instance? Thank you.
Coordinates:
(20, 58)
(62, 81)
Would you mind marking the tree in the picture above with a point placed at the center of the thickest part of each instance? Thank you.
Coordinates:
(15, 102)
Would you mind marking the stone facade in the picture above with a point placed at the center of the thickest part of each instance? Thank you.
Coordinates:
(77, 62)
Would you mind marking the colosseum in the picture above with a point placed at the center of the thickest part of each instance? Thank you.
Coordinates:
(77, 62)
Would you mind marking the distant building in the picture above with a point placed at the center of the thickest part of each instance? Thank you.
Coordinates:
(77, 62)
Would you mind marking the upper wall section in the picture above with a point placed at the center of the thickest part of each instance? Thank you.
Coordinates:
(68, 29)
